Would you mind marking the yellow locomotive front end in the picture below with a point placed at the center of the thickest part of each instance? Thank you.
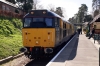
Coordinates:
(38, 37)
(39, 40)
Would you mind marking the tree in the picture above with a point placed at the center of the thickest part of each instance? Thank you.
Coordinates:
(96, 12)
(35, 4)
(72, 20)
(59, 11)
(82, 12)
(51, 7)
(25, 5)
(80, 16)
(93, 0)
(39, 7)
(76, 18)
(88, 18)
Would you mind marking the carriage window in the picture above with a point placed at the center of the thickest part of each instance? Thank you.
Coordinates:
(38, 20)
(27, 22)
(48, 21)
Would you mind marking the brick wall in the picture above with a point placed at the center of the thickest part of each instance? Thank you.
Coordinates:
(9, 11)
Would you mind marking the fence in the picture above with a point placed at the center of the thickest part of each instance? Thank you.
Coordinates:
(96, 37)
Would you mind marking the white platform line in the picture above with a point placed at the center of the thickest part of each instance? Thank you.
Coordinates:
(59, 53)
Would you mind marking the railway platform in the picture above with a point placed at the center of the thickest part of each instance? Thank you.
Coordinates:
(79, 51)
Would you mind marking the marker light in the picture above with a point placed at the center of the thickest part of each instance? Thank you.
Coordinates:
(44, 12)
(32, 12)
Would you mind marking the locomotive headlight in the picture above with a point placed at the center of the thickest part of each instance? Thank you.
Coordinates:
(37, 42)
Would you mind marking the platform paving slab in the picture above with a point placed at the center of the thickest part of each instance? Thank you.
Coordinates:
(80, 52)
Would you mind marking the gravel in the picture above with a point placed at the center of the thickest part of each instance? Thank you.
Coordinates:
(21, 61)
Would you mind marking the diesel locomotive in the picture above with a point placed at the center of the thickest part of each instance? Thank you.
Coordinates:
(43, 31)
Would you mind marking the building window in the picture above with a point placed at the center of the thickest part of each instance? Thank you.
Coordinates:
(7, 8)
(3, 7)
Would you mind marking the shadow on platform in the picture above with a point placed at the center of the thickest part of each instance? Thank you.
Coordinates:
(70, 52)
(74, 50)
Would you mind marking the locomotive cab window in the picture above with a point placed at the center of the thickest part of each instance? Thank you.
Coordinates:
(48, 22)
(38, 22)
(38, 19)
(27, 22)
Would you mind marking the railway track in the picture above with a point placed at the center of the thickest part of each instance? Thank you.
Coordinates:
(38, 62)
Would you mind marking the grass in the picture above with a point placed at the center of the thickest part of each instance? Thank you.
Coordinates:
(10, 36)
(9, 46)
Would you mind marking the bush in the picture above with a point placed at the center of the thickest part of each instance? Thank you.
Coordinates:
(10, 26)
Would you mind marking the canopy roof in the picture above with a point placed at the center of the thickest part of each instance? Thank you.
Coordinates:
(96, 19)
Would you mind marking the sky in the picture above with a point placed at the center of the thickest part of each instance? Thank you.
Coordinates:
(70, 7)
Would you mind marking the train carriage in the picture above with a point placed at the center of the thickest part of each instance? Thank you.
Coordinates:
(43, 31)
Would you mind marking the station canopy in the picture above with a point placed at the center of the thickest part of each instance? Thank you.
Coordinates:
(96, 19)
(78, 24)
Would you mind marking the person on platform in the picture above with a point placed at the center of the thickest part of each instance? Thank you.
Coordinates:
(91, 33)
(79, 31)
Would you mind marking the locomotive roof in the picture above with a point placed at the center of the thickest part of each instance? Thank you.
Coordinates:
(48, 13)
